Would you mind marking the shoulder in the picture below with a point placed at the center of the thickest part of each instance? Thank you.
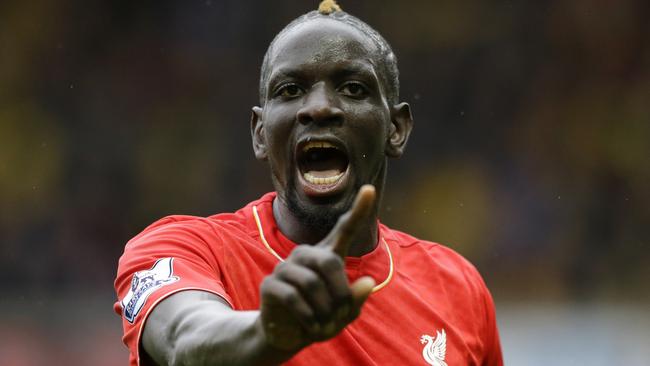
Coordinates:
(239, 222)
(437, 257)
(176, 234)
(175, 222)
(190, 229)
(456, 284)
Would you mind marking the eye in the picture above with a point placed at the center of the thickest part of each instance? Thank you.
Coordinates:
(289, 91)
(353, 89)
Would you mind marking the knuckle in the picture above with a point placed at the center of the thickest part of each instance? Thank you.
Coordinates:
(301, 253)
(281, 268)
(298, 251)
(290, 298)
(331, 263)
(311, 281)
(266, 285)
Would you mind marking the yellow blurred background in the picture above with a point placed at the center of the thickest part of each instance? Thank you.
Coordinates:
(530, 156)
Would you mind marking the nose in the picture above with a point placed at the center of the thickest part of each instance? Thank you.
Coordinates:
(319, 107)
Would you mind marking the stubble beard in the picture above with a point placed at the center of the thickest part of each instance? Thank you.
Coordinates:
(319, 219)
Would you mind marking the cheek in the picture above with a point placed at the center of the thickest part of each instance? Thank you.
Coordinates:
(372, 127)
(279, 121)
(279, 132)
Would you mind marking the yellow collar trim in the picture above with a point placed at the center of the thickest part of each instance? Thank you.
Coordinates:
(275, 254)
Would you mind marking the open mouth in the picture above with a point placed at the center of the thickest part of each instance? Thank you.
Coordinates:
(322, 165)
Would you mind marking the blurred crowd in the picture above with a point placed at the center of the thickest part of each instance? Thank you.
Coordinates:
(530, 154)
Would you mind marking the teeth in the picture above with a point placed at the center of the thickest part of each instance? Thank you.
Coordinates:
(316, 180)
(313, 144)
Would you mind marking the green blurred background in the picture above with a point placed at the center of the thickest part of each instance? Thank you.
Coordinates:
(530, 156)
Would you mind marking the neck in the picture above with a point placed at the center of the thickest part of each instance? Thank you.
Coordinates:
(302, 232)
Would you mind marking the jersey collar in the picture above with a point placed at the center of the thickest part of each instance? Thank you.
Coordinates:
(375, 264)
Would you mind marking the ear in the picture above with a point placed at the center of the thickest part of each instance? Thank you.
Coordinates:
(257, 134)
(399, 130)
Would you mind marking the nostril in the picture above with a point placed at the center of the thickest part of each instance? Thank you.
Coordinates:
(304, 116)
(321, 113)
(319, 105)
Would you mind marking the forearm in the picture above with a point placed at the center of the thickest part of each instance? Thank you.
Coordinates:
(201, 332)
(238, 341)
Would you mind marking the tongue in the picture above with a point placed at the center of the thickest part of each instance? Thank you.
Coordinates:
(324, 173)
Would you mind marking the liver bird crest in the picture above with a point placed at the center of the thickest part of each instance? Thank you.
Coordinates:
(434, 348)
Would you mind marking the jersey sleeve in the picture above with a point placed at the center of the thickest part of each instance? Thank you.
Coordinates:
(493, 355)
(170, 256)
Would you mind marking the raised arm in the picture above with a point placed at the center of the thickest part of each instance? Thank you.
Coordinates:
(306, 299)
(200, 328)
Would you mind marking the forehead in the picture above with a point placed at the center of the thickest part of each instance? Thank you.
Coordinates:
(319, 42)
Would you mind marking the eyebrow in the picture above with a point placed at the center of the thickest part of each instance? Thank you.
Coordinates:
(350, 69)
(356, 69)
(285, 73)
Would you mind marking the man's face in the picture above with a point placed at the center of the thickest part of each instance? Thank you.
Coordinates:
(326, 122)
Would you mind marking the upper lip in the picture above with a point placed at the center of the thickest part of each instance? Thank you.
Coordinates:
(333, 140)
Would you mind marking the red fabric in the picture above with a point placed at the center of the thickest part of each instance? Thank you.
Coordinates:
(433, 288)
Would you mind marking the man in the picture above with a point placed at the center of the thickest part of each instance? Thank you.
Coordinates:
(237, 289)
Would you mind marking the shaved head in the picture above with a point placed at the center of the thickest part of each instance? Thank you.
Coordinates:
(382, 56)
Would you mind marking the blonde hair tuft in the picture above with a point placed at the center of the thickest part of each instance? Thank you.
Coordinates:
(327, 7)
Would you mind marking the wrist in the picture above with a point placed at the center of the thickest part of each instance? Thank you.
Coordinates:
(270, 352)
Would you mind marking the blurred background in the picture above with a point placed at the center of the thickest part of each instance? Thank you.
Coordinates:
(530, 156)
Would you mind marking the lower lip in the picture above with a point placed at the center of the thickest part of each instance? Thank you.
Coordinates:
(324, 190)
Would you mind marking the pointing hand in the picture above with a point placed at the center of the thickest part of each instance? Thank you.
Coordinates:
(307, 298)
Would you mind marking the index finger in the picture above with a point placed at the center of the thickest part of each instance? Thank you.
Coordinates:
(341, 236)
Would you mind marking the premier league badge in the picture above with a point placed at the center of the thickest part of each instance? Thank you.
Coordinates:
(144, 283)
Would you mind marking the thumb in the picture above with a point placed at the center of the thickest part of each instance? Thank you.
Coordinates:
(361, 289)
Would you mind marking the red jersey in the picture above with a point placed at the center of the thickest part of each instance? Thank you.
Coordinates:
(434, 310)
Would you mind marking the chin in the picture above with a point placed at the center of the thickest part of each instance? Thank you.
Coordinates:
(319, 214)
